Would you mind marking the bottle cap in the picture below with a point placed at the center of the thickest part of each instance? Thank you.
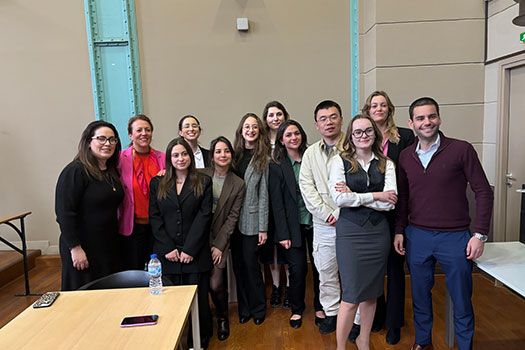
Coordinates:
(153, 256)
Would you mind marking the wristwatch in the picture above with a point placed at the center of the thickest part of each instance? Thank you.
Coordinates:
(481, 237)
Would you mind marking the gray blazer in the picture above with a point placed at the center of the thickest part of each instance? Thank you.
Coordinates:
(254, 212)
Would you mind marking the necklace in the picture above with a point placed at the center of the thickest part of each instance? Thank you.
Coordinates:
(112, 183)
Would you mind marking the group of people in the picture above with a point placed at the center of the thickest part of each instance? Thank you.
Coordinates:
(356, 203)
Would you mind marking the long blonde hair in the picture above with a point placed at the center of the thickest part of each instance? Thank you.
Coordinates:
(349, 147)
(391, 128)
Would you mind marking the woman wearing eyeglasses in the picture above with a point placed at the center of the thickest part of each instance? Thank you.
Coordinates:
(395, 139)
(363, 184)
(138, 164)
(88, 193)
(190, 130)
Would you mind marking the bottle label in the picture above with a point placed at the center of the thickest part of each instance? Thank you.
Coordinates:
(154, 270)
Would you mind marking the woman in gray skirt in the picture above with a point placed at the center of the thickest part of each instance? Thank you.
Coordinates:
(363, 185)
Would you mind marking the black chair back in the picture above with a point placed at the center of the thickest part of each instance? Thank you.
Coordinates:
(123, 279)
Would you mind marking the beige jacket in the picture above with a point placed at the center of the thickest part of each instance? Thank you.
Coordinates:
(313, 181)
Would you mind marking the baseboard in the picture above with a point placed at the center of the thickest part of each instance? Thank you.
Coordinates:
(43, 246)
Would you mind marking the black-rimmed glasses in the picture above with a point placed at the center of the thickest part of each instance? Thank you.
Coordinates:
(358, 133)
(103, 139)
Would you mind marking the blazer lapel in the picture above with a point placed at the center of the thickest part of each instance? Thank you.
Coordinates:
(172, 196)
(185, 192)
(289, 177)
(393, 151)
(225, 194)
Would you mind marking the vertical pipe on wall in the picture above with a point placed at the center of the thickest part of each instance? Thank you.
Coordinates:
(354, 56)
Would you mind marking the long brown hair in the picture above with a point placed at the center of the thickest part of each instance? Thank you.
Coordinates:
(280, 152)
(391, 128)
(261, 150)
(349, 147)
(86, 157)
(170, 178)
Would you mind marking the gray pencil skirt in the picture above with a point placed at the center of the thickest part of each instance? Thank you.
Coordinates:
(362, 254)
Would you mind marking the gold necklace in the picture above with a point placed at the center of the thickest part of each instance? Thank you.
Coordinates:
(112, 184)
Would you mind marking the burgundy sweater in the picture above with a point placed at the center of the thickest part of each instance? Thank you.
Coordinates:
(435, 198)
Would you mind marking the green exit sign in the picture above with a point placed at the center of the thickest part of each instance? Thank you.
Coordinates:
(522, 37)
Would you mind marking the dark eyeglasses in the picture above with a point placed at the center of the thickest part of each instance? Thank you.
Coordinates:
(103, 139)
(359, 133)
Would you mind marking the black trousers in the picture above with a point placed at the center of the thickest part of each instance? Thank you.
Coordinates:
(392, 312)
(137, 247)
(202, 280)
(309, 235)
(298, 268)
(251, 296)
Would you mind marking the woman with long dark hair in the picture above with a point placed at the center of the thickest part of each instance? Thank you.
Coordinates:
(251, 164)
(363, 184)
(138, 164)
(228, 194)
(88, 193)
(180, 214)
(293, 222)
(272, 254)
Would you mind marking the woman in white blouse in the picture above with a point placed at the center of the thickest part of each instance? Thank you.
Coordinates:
(363, 185)
(190, 130)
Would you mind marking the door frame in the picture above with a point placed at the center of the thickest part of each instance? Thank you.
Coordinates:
(502, 138)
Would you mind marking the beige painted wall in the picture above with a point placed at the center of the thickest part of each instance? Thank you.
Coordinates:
(194, 61)
(46, 103)
(426, 48)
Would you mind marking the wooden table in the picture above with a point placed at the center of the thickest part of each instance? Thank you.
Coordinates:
(91, 320)
(505, 261)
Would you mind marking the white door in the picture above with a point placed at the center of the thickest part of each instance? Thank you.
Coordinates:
(516, 153)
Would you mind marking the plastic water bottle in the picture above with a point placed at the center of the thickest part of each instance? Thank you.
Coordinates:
(155, 275)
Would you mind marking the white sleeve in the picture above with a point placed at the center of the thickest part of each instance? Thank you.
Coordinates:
(390, 185)
(345, 199)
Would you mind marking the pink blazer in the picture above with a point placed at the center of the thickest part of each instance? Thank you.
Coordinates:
(126, 208)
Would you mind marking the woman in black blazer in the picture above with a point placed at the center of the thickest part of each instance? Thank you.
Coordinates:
(381, 109)
(190, 130)
(293, 223)
(180, 216)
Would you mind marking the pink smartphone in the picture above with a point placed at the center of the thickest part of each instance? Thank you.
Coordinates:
(135, 321)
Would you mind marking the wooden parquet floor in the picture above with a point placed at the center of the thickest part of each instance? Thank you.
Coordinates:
(500, 319)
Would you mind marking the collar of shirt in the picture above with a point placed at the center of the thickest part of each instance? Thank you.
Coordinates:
(367, 165)
(293, 161)
(338, 144)
(199, 161)
(432, 148)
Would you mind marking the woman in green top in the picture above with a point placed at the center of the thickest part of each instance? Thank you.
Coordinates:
(293, 223)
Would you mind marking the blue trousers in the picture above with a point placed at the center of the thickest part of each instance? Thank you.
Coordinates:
(424, 248)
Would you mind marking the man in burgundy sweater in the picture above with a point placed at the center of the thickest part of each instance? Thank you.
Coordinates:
(433, 217)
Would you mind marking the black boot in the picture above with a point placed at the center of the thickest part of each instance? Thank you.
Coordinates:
(275, 298)
(286, 300)
(223, 328)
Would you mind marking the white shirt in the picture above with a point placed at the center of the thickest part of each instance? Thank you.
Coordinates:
(352, 199)
(426, 156)
(199, 159)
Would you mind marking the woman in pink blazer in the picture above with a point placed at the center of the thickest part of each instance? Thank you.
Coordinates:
(137, 165)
